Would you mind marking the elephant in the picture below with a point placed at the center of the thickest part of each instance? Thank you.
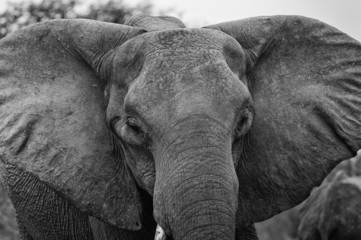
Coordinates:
(153, 129)
(283, 226)
(8, 226)
(331, 212)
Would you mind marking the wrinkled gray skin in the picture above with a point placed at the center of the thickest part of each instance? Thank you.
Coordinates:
(8, 225)
(331, 212)
(203, 131)
(280, 227)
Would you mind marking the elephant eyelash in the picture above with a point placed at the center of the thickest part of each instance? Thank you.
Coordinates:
(119, 154)
(244, 157)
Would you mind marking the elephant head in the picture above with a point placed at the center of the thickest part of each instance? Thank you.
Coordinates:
(220, 126)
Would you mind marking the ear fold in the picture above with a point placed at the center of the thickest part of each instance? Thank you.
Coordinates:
(53, 115)
(305, 81)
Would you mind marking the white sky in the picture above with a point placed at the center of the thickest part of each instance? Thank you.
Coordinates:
(343, 14)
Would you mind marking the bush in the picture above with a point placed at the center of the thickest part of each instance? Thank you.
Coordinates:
(23, 13)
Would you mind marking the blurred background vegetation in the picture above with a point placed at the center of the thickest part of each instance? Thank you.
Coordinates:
(24, 12)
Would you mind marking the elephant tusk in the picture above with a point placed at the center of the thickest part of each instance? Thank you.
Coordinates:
(159, 233)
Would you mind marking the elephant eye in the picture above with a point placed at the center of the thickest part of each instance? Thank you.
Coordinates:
(132, 123)
(243, 125)
(131, 132)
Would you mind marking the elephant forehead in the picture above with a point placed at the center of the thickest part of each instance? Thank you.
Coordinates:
(201, 85)
(172, 51)
(173, 60)
(186, 38)
(163, 53)
(186, 71)
(180, 44)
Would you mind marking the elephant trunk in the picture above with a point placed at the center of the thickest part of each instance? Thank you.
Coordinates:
(196, 189)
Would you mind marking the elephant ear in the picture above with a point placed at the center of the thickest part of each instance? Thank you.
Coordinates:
(305, 79)
(52, 112)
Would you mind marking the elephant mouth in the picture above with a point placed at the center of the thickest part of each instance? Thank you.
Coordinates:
(149, 221)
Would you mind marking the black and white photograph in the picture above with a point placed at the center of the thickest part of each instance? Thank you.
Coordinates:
(180, 120)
